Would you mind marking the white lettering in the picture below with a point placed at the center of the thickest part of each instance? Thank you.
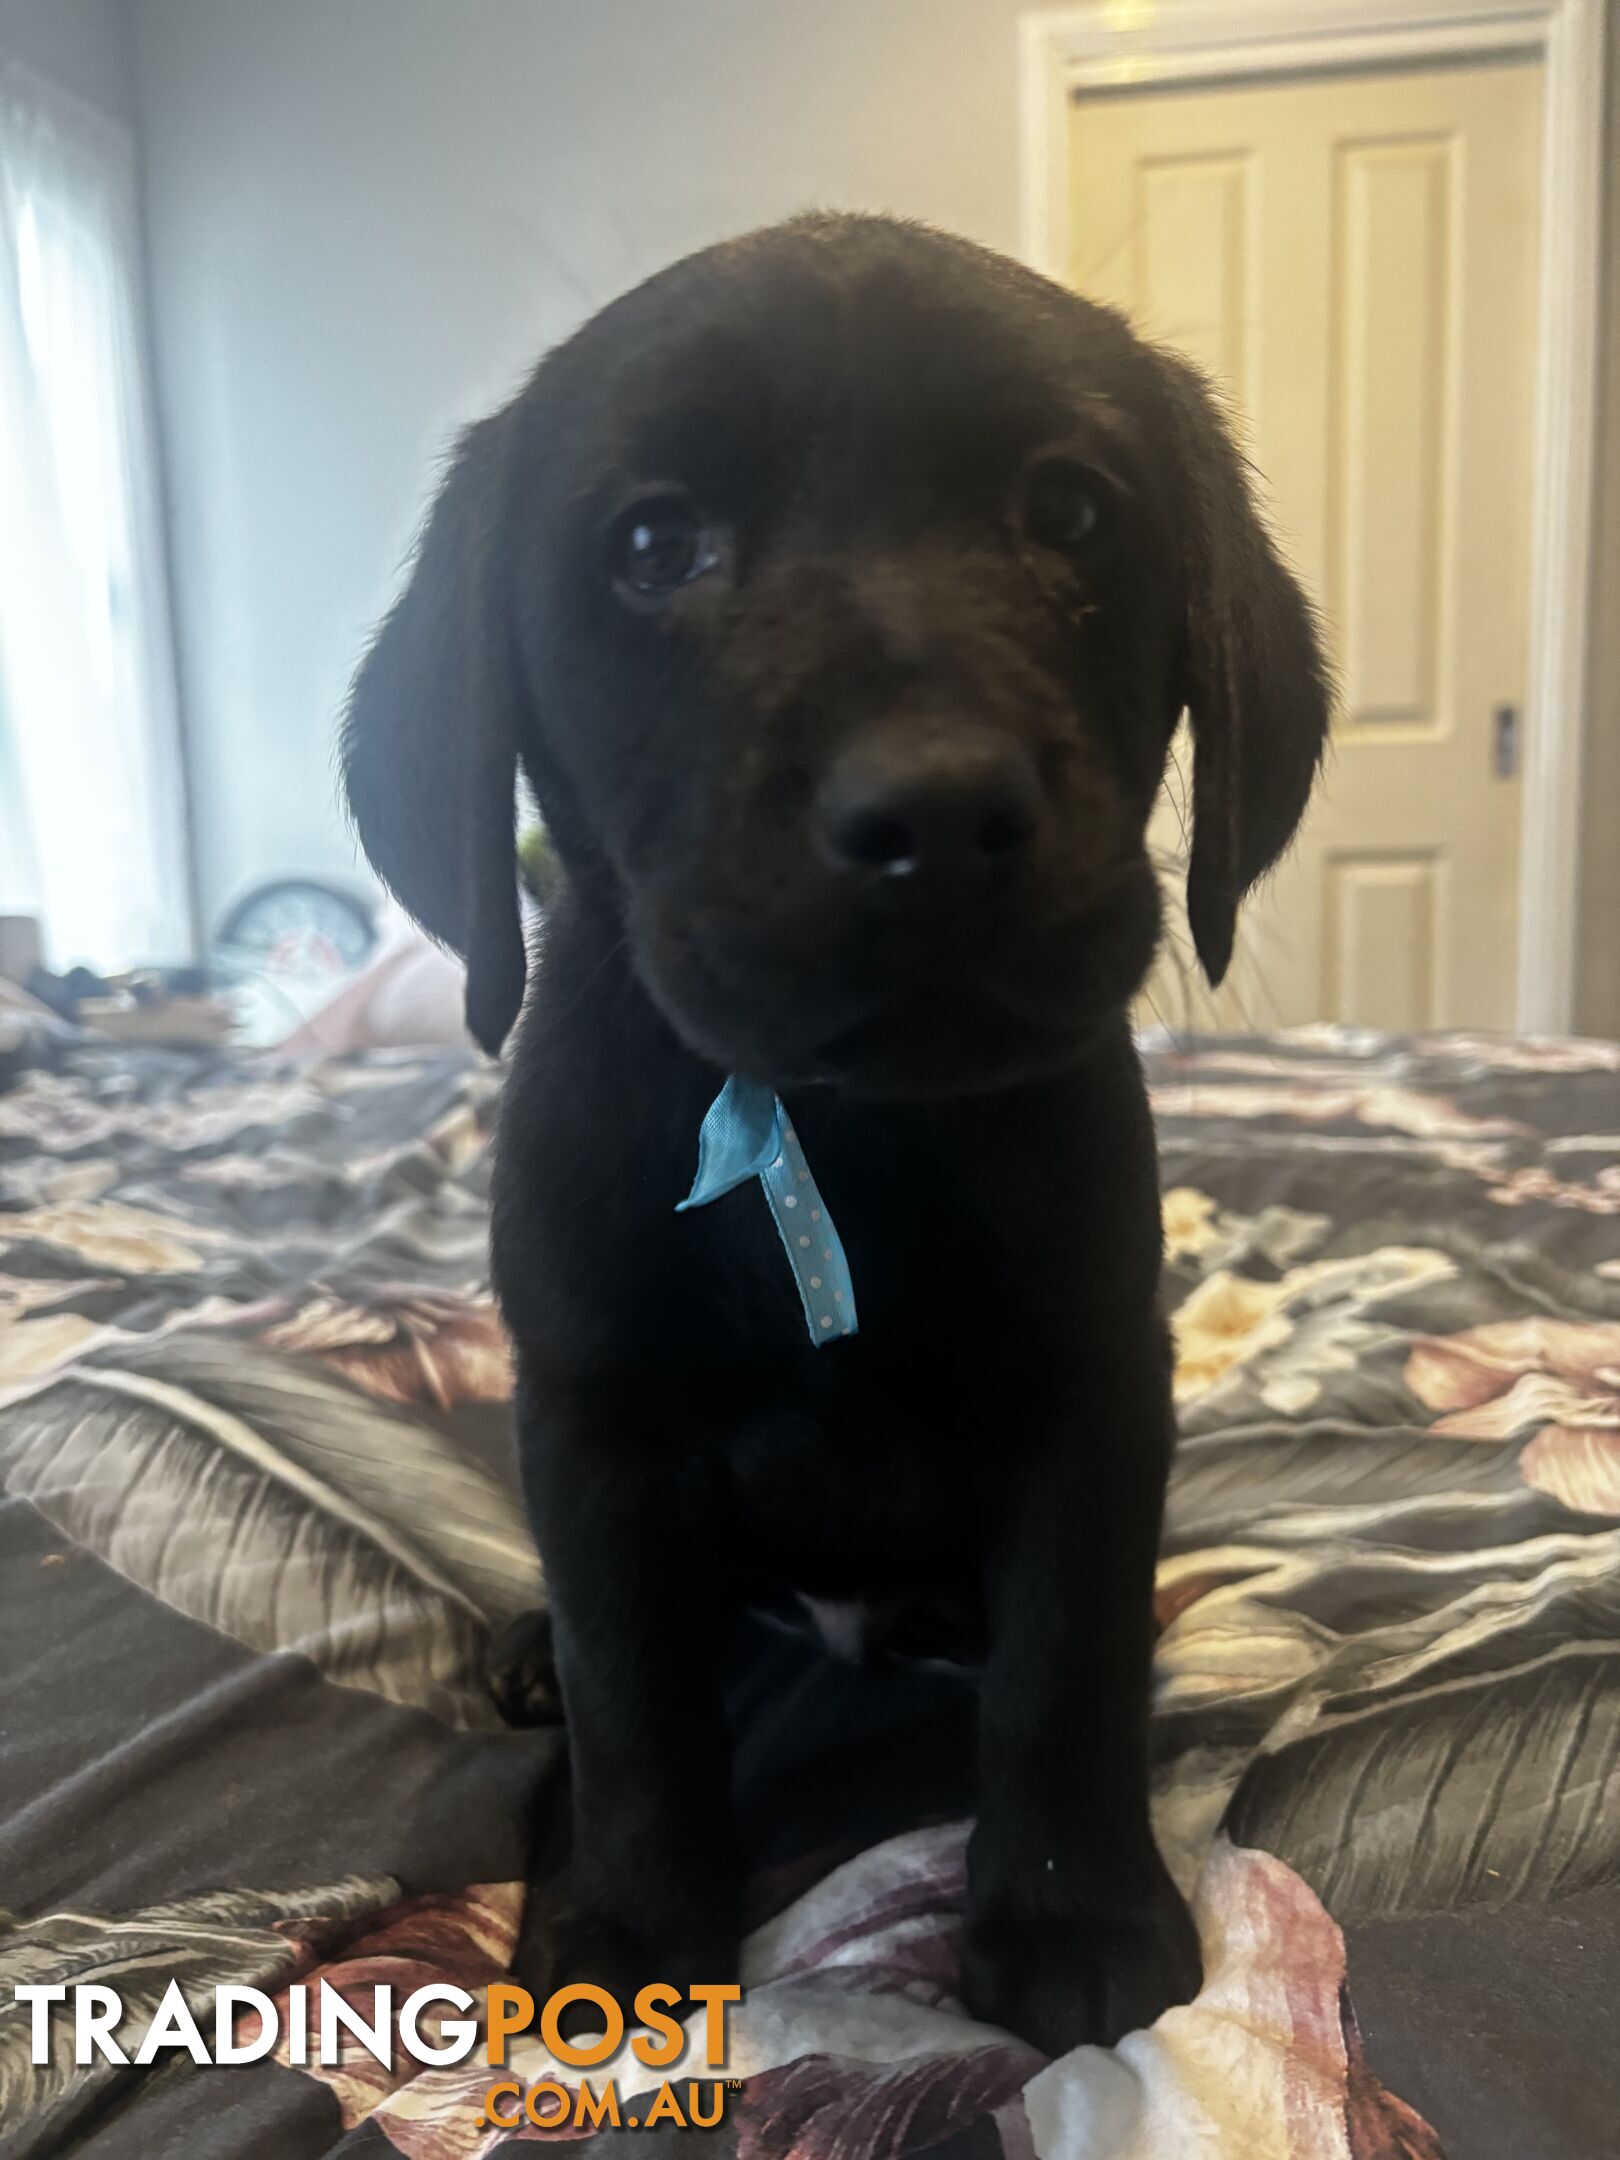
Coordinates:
(456, 2035)
(97, 2014)
(227, 2002)
(374, 2038)
(173, 2026)
(39, 1999)
(298, 2023)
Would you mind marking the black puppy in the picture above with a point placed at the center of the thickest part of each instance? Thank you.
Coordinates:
(838, 591)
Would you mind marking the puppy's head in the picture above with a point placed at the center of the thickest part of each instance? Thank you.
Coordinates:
(838, 591)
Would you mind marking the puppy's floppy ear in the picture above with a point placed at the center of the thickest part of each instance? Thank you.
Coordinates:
(430, 737)
(1254, 683)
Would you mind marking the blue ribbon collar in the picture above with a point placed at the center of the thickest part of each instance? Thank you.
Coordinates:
(746, 1134)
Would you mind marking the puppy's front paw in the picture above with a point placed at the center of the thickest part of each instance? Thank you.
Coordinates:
(1064, 1980)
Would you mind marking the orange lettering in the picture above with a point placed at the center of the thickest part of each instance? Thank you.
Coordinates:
(652, 2008)
(716, 2000)
(508, 2091)
(511, 2010)
(548, 2087)
(581, 2054)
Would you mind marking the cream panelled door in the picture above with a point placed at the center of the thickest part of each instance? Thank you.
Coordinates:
(1353, 259)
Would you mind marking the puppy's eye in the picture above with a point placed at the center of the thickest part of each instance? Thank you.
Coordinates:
(661, 543)
(1064, 506)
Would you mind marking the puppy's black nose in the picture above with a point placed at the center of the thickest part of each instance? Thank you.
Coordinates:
(929, 805)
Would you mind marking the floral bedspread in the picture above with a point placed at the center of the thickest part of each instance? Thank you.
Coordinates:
(257, 1523)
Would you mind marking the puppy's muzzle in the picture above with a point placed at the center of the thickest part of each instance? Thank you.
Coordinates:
(909, 812)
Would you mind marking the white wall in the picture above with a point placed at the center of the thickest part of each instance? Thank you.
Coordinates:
(367, 216)
(81, 44)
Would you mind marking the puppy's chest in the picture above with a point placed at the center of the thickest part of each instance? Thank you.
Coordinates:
(938, 1274)
(858, 1498)
(871, 1465)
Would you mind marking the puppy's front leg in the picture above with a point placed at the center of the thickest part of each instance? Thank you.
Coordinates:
(1074, 1931)
(639, 1615)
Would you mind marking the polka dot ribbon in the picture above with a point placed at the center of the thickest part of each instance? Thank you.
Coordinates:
(746, 1134)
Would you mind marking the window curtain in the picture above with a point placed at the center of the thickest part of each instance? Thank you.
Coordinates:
(92, 827)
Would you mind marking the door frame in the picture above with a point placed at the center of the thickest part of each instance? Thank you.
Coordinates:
(1122, 44)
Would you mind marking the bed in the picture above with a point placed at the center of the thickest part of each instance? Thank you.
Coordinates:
(259, 1522)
